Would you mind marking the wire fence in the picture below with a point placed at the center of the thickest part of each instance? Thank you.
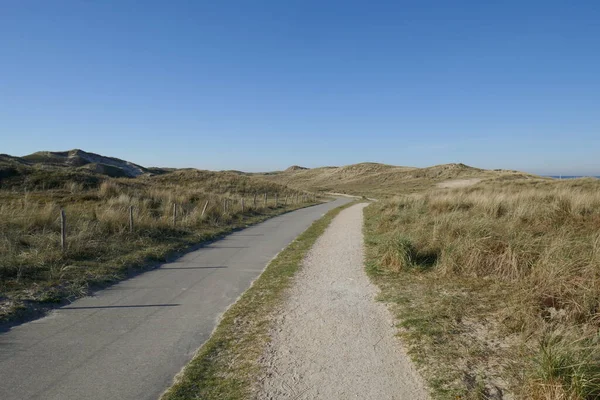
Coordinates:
(181, 215)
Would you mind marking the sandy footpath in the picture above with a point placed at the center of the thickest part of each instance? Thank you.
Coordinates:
(333, 340)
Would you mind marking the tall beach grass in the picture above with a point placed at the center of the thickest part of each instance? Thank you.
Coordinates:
(529, 251)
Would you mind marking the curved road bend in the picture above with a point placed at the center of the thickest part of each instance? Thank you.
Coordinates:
(130, 340)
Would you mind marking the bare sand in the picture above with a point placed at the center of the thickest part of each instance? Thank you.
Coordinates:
(458, 183)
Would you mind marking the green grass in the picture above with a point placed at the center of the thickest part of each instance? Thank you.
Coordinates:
(227, 365)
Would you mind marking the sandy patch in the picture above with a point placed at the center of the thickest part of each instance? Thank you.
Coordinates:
(458, 183)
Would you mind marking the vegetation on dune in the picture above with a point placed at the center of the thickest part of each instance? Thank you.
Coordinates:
(496, 286)
(295, 168)
(100, 248)
(381, 180)
(74, 161)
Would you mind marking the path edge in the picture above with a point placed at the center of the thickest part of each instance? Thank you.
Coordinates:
(32, 310)
(227, 365)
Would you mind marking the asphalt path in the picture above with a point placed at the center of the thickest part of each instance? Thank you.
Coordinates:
(130, 340)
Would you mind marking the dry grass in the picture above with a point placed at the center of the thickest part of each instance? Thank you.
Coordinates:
(100, 248)
(497, 284)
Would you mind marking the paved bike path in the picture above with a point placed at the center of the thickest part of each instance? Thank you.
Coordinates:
(130, 340)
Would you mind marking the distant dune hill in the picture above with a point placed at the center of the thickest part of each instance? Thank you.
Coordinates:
(94, 162)
(46, 170)
(53, 169)
(375, 178)
(295, 168)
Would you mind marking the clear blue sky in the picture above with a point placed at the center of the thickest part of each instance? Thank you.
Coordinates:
(260, 85)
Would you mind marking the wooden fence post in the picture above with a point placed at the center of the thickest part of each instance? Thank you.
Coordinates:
(242, 201)
(204, 209)
(254, 200)
(63, 230)
(285, 200)
(224, 206)
(130, 219)
(174, 214)
(265, 199)
(276, 199)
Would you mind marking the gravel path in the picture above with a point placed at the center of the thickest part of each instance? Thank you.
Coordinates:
(333, 340)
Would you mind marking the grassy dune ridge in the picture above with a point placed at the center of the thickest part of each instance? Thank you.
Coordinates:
(100, 248)
(496, 286)
(382, 180)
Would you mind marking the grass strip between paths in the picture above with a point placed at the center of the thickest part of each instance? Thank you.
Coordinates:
(227, 365)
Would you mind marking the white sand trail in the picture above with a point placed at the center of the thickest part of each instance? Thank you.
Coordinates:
(332, 339)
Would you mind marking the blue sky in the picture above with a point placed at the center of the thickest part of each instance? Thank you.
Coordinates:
(261, 85)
